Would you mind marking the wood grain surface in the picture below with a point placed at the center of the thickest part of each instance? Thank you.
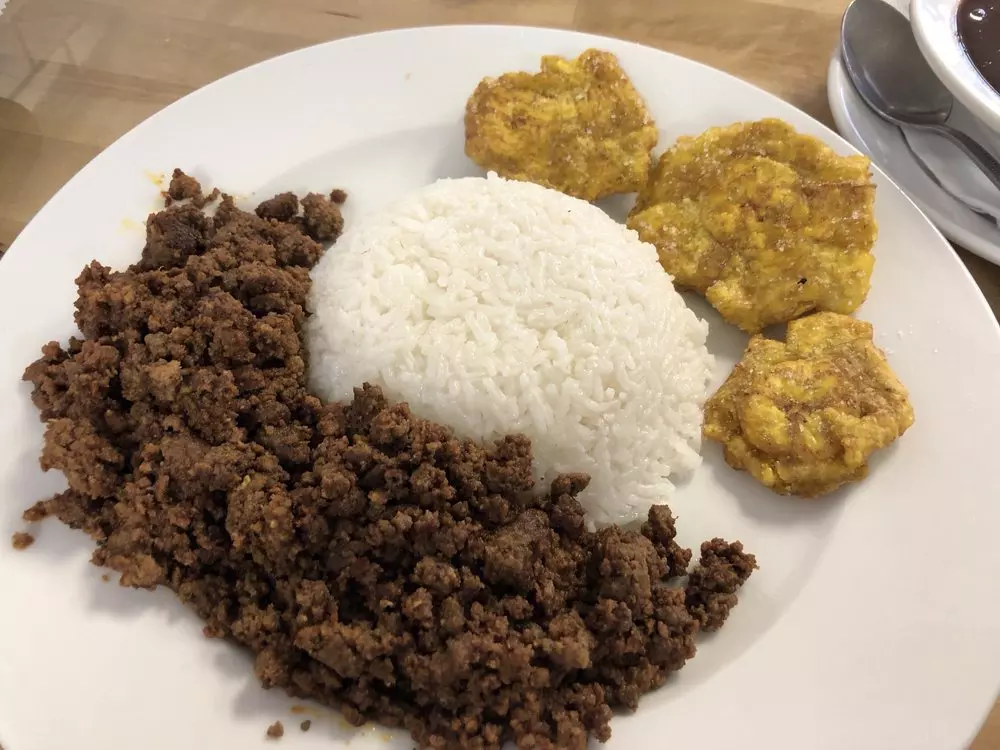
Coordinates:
(76, 74)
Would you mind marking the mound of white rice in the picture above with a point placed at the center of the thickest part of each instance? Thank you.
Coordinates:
(494, 307)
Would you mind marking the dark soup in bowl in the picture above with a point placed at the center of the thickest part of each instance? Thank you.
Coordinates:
(978, 25)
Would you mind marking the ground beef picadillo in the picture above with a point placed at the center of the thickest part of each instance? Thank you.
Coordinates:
(370, 559)
(21, 540)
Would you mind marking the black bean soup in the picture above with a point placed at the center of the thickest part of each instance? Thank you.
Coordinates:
(979, 32)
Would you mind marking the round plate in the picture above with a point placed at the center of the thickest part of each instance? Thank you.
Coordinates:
(884, 143)
(872, 621)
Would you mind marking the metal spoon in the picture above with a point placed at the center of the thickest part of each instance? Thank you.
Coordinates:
(890, 73)
(926, 169)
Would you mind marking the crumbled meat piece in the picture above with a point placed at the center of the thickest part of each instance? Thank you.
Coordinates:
(184, 187)
(660, 529)
(371, 560)
(276, 731)
(321, 218)
(711, 591)
(21, 540)
(338, 196)
(172, 236)
(37, 512)
(282, 207)
(89, 460)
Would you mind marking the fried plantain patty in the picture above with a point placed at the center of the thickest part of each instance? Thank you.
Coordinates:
(767, 223)
(804, 416)
(578, 126)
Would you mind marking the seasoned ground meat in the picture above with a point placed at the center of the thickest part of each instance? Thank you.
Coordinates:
(276, 731)
(182, 187)
(711, 591)
(282, 207)
(371, 560)
(661, 529)
(21, 540)
(321, 217)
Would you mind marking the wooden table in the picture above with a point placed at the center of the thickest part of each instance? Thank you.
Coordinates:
(76, 74)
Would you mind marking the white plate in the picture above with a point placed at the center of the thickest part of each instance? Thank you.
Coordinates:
(884, 143)
(873, 620)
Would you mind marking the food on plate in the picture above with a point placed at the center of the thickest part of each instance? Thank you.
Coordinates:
(21, 540)
(370, 559)
(767, 223)
(276, 731)
(711, 589)
(282, 207)
(320, 217)
(183, 187)
(495, 306)
(804, 416)
(578, 126)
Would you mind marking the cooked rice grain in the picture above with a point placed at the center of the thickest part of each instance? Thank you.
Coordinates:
(497, 307)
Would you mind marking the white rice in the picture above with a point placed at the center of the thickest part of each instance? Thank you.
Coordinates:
(495, 306)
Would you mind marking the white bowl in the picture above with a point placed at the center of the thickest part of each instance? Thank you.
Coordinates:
(935, 27)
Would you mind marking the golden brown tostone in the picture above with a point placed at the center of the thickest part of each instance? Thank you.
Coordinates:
(804, 416)
(767, 223)
(578, 126)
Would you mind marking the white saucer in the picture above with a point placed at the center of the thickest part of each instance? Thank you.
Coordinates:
(884, 143)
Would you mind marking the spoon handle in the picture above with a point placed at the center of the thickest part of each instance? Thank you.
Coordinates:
(979, 155)
(925, 167)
